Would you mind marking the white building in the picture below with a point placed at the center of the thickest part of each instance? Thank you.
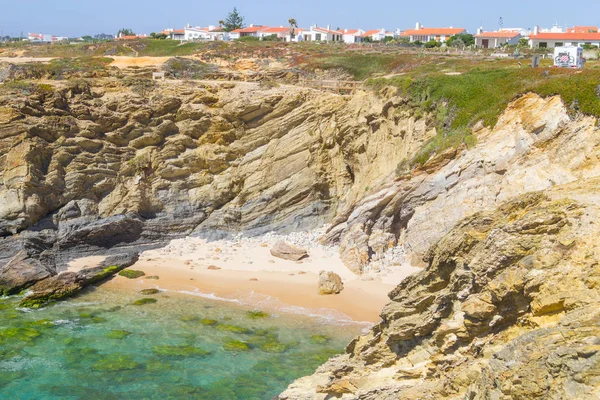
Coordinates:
(317, 34)
(576, 36)
(492, 40)
(351, 36)
(424, 35)
(376, 35)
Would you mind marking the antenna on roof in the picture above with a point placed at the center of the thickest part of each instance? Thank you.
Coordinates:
(501, 23)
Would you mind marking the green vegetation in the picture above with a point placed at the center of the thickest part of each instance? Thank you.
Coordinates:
(235, 345)
(455, 102)
(116, 363)
(208, 322)
(145, 300)
(256, 314)
(233, 21)
(131, 273)
(319, 339)
(180, 351)
(233, 328)
(117, 334)
(147, 292)
(105, 273)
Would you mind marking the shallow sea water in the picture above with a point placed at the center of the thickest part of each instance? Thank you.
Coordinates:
(100, 345)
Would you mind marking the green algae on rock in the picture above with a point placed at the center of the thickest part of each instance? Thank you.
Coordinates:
(148, 292)
(256, 314)
(116, 363)
(145, 300)
(236, 345)
(117, 334)
(319, 339)
(233, 328)
(208, 322)
(179, 351)
(131, 273)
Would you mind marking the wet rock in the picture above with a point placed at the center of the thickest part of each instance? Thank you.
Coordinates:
(287, 251)
(330, 283)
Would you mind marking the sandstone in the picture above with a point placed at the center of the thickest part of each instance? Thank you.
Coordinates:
(288, 252)
(329, 283)
(213, 268)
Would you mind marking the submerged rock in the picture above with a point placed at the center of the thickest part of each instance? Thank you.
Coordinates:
(287, 251)
(330, 283)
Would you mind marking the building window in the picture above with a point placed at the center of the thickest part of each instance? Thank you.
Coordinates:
(558, 44)
(318, 37)
(543, 45)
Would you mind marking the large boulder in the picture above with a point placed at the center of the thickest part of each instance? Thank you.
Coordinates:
(21, 272)
(330, 283)
(287, 251)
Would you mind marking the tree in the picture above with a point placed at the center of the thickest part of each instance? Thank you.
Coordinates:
(87, 38)
(221, 23)
(155, 35)
(293, 26)
(125, 32)
(466, 38)
(233, 21)
(432, 44)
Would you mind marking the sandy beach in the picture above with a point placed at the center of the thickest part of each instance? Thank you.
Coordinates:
(245, 272)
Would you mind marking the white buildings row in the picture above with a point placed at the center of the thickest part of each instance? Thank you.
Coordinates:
(538, 38)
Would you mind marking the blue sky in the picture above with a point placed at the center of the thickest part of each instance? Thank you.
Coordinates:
(81, 17)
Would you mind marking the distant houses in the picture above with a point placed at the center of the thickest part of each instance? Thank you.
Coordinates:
(576, 36)
(492, 40)
(44, 38)
(424, 35)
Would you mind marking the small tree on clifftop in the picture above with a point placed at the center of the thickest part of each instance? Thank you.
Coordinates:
(233, 21)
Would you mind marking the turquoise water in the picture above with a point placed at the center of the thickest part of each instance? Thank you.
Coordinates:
(102, 346)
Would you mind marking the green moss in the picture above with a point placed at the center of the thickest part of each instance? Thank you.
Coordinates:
(33, 303)
(236, 345)
(189, 318)
(319, 339)
(256, 314)
(208, 322)
(233, 328)
(115, 363)
(105, 273)
(117, 334)
(131, 273)
(146, 300)
(273, 347)
(147, 292)
(180, 351)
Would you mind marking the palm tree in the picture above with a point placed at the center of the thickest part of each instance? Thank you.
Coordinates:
(293, 24)
(221, 23)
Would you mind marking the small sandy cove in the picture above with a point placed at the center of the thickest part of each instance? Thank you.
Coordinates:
(244, 271)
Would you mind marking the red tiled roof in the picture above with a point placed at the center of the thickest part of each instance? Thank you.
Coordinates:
(583, 29)
(325, 30)
(351, 31)
(179, 31)
(276, 30)
(250, 29)
(371, 32)
(433, 31)
(566, 36)
(501, 34)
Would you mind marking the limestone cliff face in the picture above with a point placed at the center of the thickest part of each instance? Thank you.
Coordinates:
(507, 308)
(507, 305)
(92, 168)
(534, 146)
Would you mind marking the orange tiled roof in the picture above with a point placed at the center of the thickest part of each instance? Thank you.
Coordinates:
(566, 36)
(433, 31)
(583, 29)
(325, 30)
(276, 30)
(371, 32)
(351, 31)
(250, 29)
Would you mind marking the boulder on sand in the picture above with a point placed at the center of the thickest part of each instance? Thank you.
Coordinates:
(330, 283)
(287, 251)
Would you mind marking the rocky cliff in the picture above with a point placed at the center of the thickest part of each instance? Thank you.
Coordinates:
(120, 163)
(507, 305)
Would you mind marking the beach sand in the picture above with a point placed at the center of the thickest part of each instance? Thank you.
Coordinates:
(246, 272)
